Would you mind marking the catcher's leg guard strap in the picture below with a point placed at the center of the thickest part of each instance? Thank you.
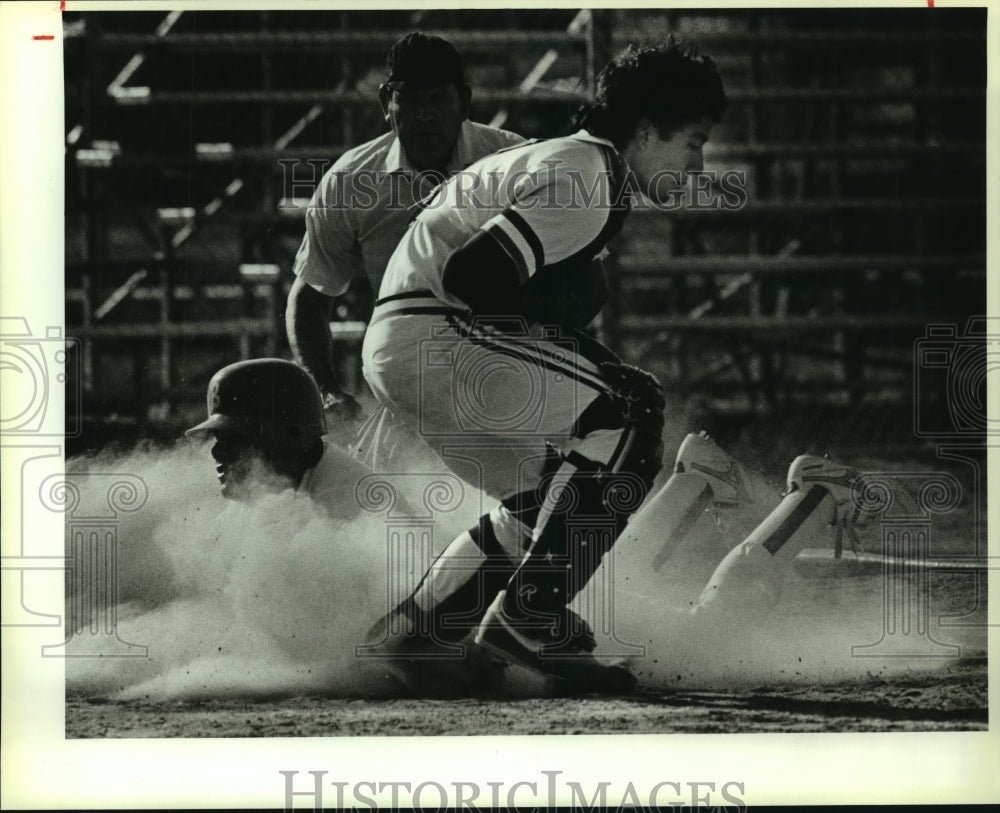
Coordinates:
(585, 511)
(640, 398)
(587, 503)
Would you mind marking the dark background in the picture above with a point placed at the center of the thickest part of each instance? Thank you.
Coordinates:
(861, 134)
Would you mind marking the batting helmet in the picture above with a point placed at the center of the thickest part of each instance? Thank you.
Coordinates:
(267, 397)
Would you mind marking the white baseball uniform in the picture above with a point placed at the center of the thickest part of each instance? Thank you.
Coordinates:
(355, 219)
(492, 397)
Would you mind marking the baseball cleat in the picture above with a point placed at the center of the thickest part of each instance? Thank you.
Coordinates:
(428, 672)
(421, 665)
(822, 496)
(847, 486)
(561, 651)
(736, 497)
(858, 501)
(699, 454)
(733, 484)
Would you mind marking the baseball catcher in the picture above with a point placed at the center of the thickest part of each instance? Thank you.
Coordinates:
(474, 343)
(550, 423)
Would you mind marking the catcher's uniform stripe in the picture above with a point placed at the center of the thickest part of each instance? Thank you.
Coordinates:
(555, 361)
(489, 328)
(518, 222)
(509, 243)
(416, 310)
(405, 295)
(411, 303)
(615, 217)
(529, 352)
(418, 302)
(534, 190)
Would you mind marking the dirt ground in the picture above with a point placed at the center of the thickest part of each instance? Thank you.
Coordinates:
(949, 699)
(793, 674)
(950, 695)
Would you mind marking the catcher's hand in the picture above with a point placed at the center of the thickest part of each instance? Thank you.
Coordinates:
(636, 389)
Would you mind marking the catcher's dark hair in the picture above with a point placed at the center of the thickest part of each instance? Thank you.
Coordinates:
(669, 85)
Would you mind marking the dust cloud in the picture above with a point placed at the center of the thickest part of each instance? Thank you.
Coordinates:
(272, 599)
(234, 599)
(812, 622)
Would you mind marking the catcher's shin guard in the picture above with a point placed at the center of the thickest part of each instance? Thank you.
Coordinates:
(818, 501)
(710, 496)
(587, 504)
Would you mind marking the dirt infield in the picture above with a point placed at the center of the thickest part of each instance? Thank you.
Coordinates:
(247, 638)
(807, 683)
(952, 698)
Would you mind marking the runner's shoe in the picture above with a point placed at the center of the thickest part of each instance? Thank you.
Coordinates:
(859, 499)
(740, 498)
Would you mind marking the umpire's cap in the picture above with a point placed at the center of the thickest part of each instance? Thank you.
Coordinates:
(250, 394)
(419, 61)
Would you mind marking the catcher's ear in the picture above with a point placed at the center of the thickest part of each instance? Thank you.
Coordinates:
(384, 93)
(643, 132)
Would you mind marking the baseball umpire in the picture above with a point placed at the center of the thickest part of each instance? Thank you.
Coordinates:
(554, 426)
(363, 205)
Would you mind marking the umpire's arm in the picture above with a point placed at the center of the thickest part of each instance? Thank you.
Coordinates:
(307, 322)
(327, 261)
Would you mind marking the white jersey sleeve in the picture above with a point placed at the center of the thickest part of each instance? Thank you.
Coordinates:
(557, 210)
(329, 256)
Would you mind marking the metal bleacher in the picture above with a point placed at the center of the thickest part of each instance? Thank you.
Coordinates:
(194, 138)
(194, 141)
